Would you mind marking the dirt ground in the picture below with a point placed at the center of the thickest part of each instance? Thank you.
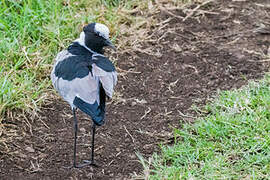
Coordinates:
(186, 59)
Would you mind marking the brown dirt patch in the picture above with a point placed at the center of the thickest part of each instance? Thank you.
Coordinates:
(181, 63)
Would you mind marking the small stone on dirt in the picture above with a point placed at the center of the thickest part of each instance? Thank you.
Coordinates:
(30, 149)
(132, 156)
(83, 130)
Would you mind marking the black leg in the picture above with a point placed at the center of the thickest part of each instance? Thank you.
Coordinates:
(75, 136)
(92, 162)
(86, 162)
(93, 142)
(75, 139)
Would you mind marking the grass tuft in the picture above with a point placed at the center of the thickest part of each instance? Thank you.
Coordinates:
(231, 142)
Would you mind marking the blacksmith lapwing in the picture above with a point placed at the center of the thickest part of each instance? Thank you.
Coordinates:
(84, 77)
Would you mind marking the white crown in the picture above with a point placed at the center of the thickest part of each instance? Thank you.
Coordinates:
(102, 30)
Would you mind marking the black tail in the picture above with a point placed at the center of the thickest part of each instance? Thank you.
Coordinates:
(95, 111)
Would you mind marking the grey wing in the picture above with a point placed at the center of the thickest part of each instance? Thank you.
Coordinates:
(86, 88)
(107, 79)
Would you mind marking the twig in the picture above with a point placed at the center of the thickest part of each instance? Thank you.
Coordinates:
(129, 71)
(208, 12)
(133, 140)
(259, 61)
(184, 115)
(262, 29)
(190, 66)
(44, 124)
(232, 34)
(263, 5)
(163, 25)
(195, 9)
(178, 34)
(146, 52)
(110, 162)
(170, 13)
(146, 112)
(26, 55)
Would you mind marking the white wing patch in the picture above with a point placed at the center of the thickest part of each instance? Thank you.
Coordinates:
(86, 88)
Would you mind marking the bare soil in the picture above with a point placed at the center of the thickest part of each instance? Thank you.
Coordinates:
(219, 46)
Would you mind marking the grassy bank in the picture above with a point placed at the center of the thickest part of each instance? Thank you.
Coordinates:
(231, 142)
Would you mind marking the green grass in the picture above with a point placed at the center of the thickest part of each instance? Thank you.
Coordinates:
(31, 34)
(231, 142)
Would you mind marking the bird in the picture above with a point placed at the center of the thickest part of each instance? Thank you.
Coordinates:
(85, 78)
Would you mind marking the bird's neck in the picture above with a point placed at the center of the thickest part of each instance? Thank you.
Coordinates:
(77, 49)
(93, 48)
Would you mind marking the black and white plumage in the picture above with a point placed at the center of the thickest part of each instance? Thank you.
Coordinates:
(83, 76)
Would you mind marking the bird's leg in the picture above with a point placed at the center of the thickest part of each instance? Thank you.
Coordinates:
(91, 162)
(93, 141)
(75, 139)
(75, 136)
(86, 162)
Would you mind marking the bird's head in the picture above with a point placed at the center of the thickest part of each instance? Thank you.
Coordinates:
(96, 36)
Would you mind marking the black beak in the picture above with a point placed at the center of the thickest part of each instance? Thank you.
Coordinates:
(110, 44)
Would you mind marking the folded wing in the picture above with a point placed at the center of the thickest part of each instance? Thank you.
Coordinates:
(105, 71)
(85, 83)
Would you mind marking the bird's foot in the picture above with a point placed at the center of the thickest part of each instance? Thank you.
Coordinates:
(89, 163)
(86, 163)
